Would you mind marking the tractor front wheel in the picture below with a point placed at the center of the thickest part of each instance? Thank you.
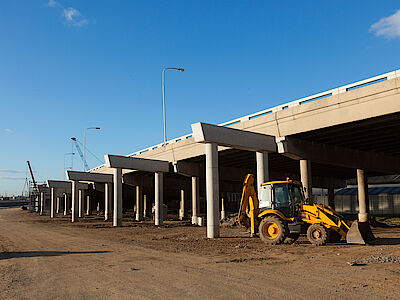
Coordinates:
(317, 234)
(272, 230)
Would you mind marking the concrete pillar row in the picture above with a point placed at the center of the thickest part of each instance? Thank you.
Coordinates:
(362, 196)
(305, 174)
(158, 199)
(117, 218)
(212, 190)
(139, 202)
(52, 203)
(195, 199)
(107, 201)
(182, 205)
(262, 170)
(42, 202)
(74, 202)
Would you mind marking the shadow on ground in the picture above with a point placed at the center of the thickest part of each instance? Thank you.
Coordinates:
(7, 255)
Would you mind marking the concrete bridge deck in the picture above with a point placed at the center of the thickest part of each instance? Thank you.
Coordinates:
(321, 139)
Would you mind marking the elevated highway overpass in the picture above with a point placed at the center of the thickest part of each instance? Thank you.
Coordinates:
(321, 139)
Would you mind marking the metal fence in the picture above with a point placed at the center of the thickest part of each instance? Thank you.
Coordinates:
(381, 204)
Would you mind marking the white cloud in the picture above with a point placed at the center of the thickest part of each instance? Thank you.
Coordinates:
(11, 178)
(74, 17)
(11, 171)
(388, 27)
(71, 16)
(8, 130)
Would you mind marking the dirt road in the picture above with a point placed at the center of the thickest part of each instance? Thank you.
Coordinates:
(54, 259)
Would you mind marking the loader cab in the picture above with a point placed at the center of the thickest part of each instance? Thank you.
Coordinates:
(284, 196)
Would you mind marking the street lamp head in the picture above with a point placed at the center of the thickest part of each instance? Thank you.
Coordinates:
(182, 70)
(97, 127)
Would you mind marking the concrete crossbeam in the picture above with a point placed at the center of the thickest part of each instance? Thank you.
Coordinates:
(338, 156)
(186, 168)
(131, 163)
(89, 177)
(230, 137)
(65, 186)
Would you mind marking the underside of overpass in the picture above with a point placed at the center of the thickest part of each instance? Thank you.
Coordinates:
(379, 134)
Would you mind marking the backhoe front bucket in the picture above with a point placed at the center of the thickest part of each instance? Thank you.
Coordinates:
(360, 233)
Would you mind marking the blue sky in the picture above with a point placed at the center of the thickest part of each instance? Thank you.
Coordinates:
(67, 65)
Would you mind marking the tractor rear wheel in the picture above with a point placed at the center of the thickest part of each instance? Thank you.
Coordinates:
(317, 234)
(272, 230)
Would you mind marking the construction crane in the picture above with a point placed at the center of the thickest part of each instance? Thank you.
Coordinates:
(33, 178)
(80, 152)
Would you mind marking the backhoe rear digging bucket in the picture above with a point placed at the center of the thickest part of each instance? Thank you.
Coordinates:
(360, 233)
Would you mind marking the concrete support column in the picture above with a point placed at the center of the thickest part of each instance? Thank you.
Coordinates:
(107, 201)
(144, 206)
(305, 174)
(139, 201)
(37, 203)
(223, 214)
(58, 206)
(182, 205)
(74, 202)
(81, 211)
(158, 199)
(42, 200)
(195, 199)
(88, 206)
(331, 197)
(117, 220)
(212, 189)
(362, 196)
(52, 202)
(66, 204)
(262, 170)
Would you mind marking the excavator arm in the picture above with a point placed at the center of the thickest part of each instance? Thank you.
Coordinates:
(249, 201)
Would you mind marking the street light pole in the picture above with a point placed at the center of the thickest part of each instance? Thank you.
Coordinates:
(163, 90)
(71, 153)
(84, 146)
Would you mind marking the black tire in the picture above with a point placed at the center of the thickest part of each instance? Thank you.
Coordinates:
(291, 238)
(334, 236)
(272, 230)
(317, 234)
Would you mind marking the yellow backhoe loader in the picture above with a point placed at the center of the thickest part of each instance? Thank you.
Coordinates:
(282, 213)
